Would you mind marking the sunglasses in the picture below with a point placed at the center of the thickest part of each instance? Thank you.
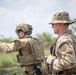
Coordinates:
(18, 31)
(53, 24)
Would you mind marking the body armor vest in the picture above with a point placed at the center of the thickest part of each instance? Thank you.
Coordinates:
(32, 53)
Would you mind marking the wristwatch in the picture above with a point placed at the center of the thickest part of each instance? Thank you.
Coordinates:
(52, 62)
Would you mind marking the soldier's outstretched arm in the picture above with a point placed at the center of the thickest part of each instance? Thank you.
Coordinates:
(13, 46)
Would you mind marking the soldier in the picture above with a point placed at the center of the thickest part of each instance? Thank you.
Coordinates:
(30, 49)
(63, 55)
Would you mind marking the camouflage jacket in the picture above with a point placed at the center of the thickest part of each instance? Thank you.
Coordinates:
(65, 52)
(14, 45)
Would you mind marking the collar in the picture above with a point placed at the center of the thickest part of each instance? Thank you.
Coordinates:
(69, 31)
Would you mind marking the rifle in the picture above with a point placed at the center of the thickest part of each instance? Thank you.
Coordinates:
(37, 70)
(49, 67)
(52, 50)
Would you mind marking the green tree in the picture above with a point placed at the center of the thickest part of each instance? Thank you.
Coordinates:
(3, 39)
(46, 38)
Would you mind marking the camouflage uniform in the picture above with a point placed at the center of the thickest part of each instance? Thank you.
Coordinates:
(25, 56)
(65, 62)
(64, 48)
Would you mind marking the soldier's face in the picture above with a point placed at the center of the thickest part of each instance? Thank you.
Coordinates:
(20, 34)
(55, 28)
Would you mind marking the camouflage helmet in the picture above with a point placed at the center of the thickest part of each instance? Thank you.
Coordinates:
(24, 27)
(61, 17)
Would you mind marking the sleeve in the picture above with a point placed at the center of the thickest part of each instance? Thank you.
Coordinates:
(13, 46)
(65, 54)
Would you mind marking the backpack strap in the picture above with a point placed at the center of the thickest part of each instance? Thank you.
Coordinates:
(32, 49)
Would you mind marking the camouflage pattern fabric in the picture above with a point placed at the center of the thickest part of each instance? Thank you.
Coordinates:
(13, 46)
(23, 27)
(37, 50)
(66, 54)
(61, 17)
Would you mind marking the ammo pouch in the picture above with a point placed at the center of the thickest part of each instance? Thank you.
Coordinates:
(28, 60)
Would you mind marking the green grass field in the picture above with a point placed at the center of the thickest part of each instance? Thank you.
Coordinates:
(9, 64)
(7, 59)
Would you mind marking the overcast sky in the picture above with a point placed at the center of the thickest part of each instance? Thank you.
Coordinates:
(37, 13)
